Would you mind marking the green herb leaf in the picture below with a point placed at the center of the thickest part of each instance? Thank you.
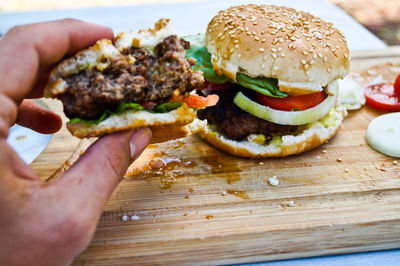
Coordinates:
(128, 106)
(161, 108)
(265, 86)
(166, 107)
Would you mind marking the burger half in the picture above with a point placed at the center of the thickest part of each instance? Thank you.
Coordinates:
(275, 70)
(140, 79)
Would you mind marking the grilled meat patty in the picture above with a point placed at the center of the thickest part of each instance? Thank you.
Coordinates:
(136, 77)
(236, 124)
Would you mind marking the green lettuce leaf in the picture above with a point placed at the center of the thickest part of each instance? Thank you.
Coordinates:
(166, 107)
(266, 86)
(161, 108)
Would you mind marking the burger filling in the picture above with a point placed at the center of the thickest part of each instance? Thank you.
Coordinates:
(138, 76)
(234, 123)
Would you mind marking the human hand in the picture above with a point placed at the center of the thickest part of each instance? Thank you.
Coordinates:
(42, 223)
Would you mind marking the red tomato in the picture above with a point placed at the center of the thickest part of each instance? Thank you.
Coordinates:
(201, 102)
(382, 96)
(290, 103)
(396, 86)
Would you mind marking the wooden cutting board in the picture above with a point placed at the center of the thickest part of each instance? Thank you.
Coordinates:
(206, 207)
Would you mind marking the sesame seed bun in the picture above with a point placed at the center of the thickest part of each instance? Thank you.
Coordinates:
(311, 137)
(303, 52)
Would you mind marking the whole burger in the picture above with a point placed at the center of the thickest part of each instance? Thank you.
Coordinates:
(275, 70)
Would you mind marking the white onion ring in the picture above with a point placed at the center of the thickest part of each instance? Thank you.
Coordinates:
(288, 117)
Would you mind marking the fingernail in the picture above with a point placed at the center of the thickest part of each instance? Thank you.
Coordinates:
(139, 140)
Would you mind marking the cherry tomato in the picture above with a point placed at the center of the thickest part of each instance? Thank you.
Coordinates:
(290, 103)
(396, 86)
(201, 102)
(382, 96)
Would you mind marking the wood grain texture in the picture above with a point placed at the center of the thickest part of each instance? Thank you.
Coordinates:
(206, 207)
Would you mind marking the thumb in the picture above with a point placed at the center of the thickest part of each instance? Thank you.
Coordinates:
(95, 175)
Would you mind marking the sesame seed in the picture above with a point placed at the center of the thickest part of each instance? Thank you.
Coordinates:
(236, 46)
(261, 50)
(124, 218)
(347, 170)
(235, 41)
(248, 32)
(303, 62)
(283, 55)
(325, 59)
(256, 38)
(263, 40)
(395, 162)
(339, 159)
(222, 38)
(273, 50)
(274, 55)
(305, 53)
(265, 58)
(314, 56)
(306, 66)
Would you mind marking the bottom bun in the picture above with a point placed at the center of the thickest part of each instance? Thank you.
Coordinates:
(164, 126)
(311, 137)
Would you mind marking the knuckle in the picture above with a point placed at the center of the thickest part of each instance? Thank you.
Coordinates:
(69, 20)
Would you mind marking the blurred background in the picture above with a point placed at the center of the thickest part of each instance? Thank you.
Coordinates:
(381, 17)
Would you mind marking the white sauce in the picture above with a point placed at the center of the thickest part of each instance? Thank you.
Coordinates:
(351, 95)
(383, 134)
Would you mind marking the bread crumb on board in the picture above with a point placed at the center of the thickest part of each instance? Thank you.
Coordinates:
(288, 203)
(273, 181)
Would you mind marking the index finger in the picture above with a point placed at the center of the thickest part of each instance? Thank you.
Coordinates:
(25, 48)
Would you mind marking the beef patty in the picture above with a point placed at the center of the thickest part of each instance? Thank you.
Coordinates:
(137, 76)
(236, 124)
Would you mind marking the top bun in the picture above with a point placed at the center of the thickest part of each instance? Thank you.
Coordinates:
(303, 52)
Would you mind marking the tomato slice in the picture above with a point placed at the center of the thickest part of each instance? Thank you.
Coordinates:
(201, 102)
(382, 96)
(292, 103)
(396, 87)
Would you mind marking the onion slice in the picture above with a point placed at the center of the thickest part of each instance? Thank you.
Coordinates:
(288, 117)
